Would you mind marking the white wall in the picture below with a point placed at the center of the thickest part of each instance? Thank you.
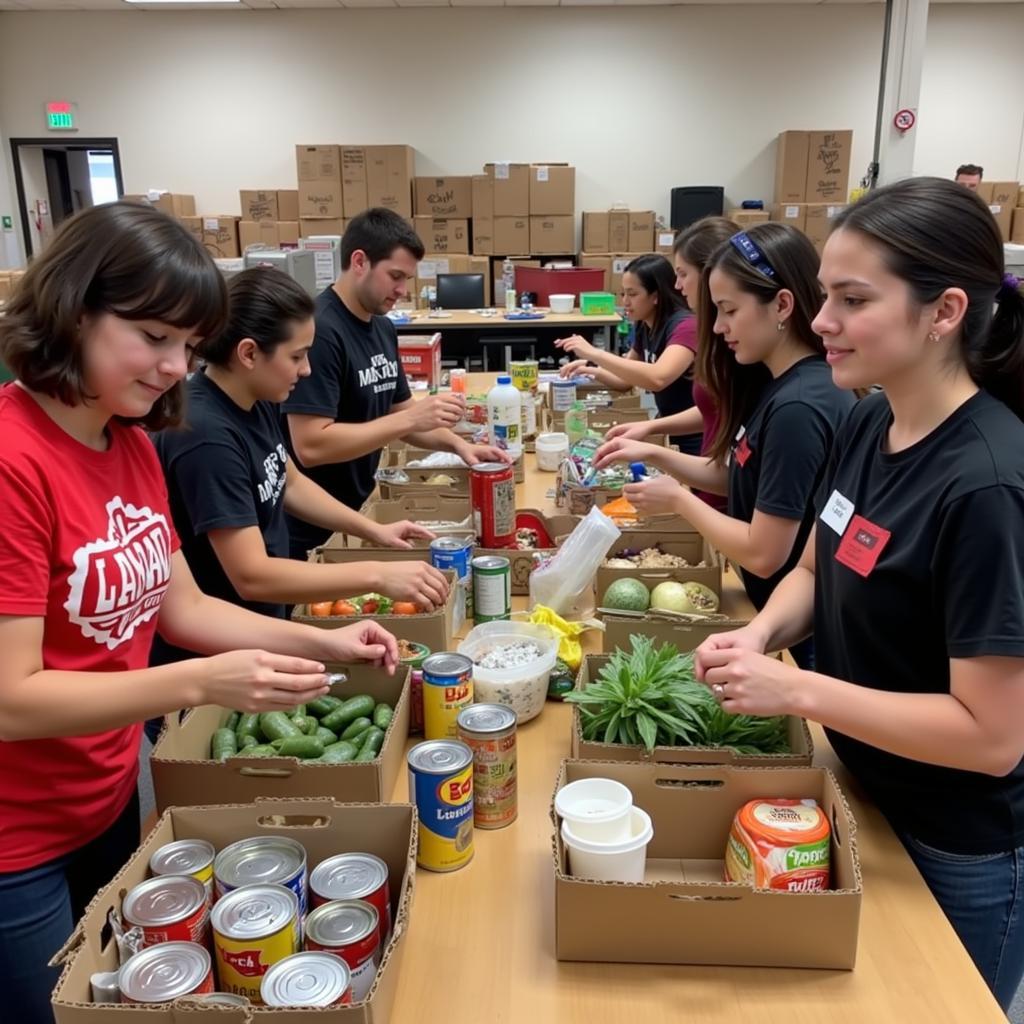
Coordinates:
(11, 252)
(33, 181)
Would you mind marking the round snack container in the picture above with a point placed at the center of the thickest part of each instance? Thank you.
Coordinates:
(597, 809)
(617, 861)
(551, 449)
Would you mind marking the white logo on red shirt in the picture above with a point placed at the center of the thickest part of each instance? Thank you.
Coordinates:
(119, 581)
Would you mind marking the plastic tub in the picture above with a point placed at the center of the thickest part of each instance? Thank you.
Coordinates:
(561, 303)
(523, 689)
(597, 809)
(621, 861)
(551, 450)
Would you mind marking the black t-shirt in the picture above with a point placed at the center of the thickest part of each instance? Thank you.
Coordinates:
(225, 469)
(919, 559)
(780, 453)
(356, 377)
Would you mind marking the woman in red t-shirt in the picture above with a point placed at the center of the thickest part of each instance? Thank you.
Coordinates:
(99, 334)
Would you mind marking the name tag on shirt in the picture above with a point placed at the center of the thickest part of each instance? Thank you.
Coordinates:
(837, 512)
(862, 546)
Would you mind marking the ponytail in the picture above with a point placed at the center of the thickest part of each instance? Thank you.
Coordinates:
(997, 364)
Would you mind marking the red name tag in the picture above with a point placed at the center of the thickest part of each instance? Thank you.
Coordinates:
(862, 545)
(742, 451)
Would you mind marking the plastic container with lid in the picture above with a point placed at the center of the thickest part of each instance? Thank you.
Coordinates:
(620, 860)
(504, 415)
(551, 450)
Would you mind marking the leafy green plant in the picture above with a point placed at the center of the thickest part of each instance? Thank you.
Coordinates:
(650, 697)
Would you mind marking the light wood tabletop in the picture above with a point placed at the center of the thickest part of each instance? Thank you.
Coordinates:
(422, 320)
(481, 943)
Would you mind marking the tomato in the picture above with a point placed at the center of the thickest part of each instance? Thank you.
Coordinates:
(405, 608)
(321, 609)
(370, 607)
(344, 607)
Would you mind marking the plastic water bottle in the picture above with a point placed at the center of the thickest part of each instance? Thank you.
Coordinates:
(508, 277)
(576, 422)
(504, 415)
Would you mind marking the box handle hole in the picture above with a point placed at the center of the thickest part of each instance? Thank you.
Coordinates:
(689, 783)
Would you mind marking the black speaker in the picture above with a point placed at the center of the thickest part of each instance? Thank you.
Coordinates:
(691, 202)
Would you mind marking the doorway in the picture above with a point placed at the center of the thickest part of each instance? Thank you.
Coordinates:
(56, 179)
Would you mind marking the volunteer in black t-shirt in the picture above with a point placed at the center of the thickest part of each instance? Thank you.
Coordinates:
(357, 399)
(230, 480)
(914, 576)
(665, 341)
(778, 412)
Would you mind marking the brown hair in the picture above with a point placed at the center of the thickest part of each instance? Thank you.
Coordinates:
(792, 258)
(125, 259)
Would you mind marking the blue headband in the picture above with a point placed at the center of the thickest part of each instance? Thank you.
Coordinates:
(749, 251)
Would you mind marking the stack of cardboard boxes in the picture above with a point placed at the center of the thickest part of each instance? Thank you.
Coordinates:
(174, 204)
(812, 177)
(1003, 198)
(1017, 221)
(614, 238)
(218, 234)
(270, 217)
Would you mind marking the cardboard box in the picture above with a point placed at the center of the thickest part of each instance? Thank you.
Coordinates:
(512, 235)
(641, 231)
(274, 234)
(618, 231)
(1017, 226)
(748, 218)
(596, 262)
(1002, 205)
(400, 454)
(174, 204)
(554, 234)
(433, 264)
(287, 204)
(420, 355)
(791, 154)
(617, 267)
(828, 167)
(686, 635)
(320, 198)
(324, 828)
(389, 174)
(183, 771)
(311, 226)
(435, 629)
(706, 564)
(984, 191)
(819, 222)
(443, 235)
(664, 241)
(353, 180)
(482, 232)
(595, 232)
(510, 185)
(318, 163)
(219, 235)
(445, 515)
(259, 204)
(683, 913)
(552, 190)
(794, 214)
(444, 197)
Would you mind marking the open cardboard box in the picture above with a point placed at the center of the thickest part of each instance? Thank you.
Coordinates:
(324, 828)
(683, 913)
(429, 507)
(801, 746)
(435, 629)
(183, 772)
(691, 546)
(400, 454)
(686, 634)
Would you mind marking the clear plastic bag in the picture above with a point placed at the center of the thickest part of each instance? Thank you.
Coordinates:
(559, 584)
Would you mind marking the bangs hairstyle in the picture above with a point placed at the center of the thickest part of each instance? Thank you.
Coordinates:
(125, 259)
(736, 388)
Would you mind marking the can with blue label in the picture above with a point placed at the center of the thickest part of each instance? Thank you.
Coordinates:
(456, 554)
(262, 860)
(441, 787)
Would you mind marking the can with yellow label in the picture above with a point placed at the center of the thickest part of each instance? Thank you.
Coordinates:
(441, 787)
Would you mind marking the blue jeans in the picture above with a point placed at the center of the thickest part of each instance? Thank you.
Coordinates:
(983, 898)
(39, 908)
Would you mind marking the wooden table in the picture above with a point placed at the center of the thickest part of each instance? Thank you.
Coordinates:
(480, 948)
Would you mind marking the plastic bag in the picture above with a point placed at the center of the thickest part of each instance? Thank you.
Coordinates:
(560, 583)
(570, 650)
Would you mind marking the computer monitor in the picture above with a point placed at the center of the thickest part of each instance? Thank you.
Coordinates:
(460, 291)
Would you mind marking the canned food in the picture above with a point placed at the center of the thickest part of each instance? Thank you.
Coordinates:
(447, 689)
(264, 860)
(455, 553)
(492, 588)
(489, 730)
(186, 857)
(493, 492)
(307, 979)
(441, 787)
(349, 929)
(253, 928)
(525, 374)
(222, 999)
(169, 908)
(165, 972)
(355, 876)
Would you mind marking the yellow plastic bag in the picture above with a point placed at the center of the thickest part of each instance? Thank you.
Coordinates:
(569, 648)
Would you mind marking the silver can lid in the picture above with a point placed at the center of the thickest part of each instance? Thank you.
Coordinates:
(486, 718)
(254, 911)
(342, 922)
(490, 467)
(440, 757)
(306, 979)
(260, 861)
(183, 857)
(163, 900)
(447, 664)
(348, 876)
(490, 562)
(451, 543)
(163, 972)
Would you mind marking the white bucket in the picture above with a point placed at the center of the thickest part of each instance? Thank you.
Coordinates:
(621, 861)
(551, 449)
(596, 809)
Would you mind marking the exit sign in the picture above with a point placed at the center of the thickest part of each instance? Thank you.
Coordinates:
(60, 116)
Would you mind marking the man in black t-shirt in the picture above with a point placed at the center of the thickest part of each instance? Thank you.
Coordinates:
(357, 399)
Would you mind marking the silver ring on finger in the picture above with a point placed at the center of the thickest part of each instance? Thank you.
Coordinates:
(718, 689)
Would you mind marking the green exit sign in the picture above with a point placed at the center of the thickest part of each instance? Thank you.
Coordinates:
(60, 116)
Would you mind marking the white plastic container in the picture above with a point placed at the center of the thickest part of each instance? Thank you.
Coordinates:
(621, 861)
(523, 689)
(563, 394)
(597, 810)
(505, 416)
(551, 449)
(561, 303)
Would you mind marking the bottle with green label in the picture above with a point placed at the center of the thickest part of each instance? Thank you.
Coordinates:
(576, 422)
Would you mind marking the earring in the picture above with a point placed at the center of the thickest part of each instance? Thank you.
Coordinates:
(780, 326)
(933, 337)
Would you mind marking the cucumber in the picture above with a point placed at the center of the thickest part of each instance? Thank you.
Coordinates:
(373, 740)
(233, 720)
(355, 707)
(325, 736)
(298, 746)
(299, 711)
(276, 725)
(339, 753)
(248, 741)
(223, 744)
(260, 750)
(382, 715)
(248, 725)
(306, 724)
(324, 705)
(356, 729)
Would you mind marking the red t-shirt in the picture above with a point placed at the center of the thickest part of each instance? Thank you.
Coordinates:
(85, 542)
